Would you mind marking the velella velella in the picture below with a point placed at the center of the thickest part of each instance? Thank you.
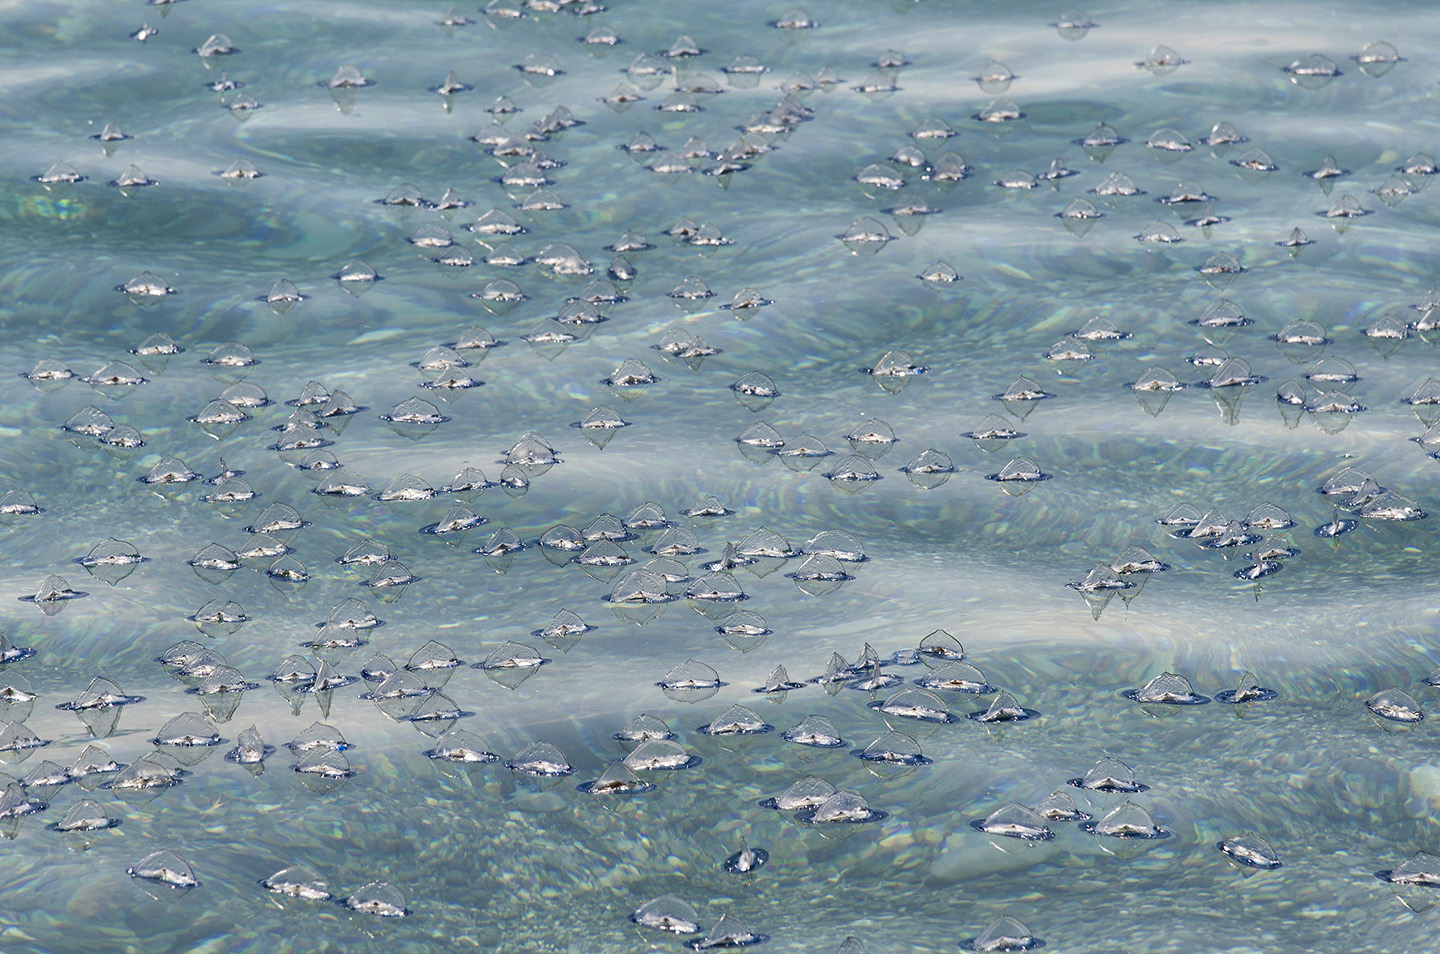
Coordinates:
(1395, 705)
(690, 674)
(462, 746)
(1127, 820)
(961, 556)
(1060, 806)
(807, 792)
(737, 720)
(1021, 470)
(167, 868)
(1247, 690)
(842, 808)
(746, 860)
(668, 914)
(85, 815)
(188, 730)
(1004, 708)
(1250, 851)
(956, 677)
(250, 748)
(1109, 774)
(1014, 821)
(915, 703)
(540, 760)
(660, 754)
(1168, 689)
(1005, 933)
(298, 881)
(815, 731)
(1421, 869)
(378, 899)
(643, 728)
(893, 748)
(939, 647)
(143, 778)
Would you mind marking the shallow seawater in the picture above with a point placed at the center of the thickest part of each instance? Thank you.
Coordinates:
(491, 861)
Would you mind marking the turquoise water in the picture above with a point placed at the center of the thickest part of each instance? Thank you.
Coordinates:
(487, 860)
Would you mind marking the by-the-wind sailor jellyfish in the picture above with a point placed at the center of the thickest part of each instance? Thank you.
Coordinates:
(893, 748)
(842, 808)
(617, 779)
(1109, 775)
(815, 731)
(939, 647)
(1250, 851)
(1014, 821)
(728, 932)
(84, 816)
(378, 899)
(660, 755)
(540, 760)
(1166, 689)
(1127, 820)
(808, 792)
(1248, 690)
(668, 914)
(956, 677)
(737, 720)
(746, 860)
(915, 703)
(1005, 933)
(1395, 706)
(1003, 708)
(1421, 869)
(166, 868)
(298, 881)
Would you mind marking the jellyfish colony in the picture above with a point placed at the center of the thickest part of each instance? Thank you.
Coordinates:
(602, 474)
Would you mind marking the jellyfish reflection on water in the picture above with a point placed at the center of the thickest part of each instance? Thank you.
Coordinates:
(695, 303)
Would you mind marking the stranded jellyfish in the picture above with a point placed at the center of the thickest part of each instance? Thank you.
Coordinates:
(1020, 470)
(643, 728)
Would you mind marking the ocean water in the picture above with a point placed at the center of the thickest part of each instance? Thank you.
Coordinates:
(488, 860)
